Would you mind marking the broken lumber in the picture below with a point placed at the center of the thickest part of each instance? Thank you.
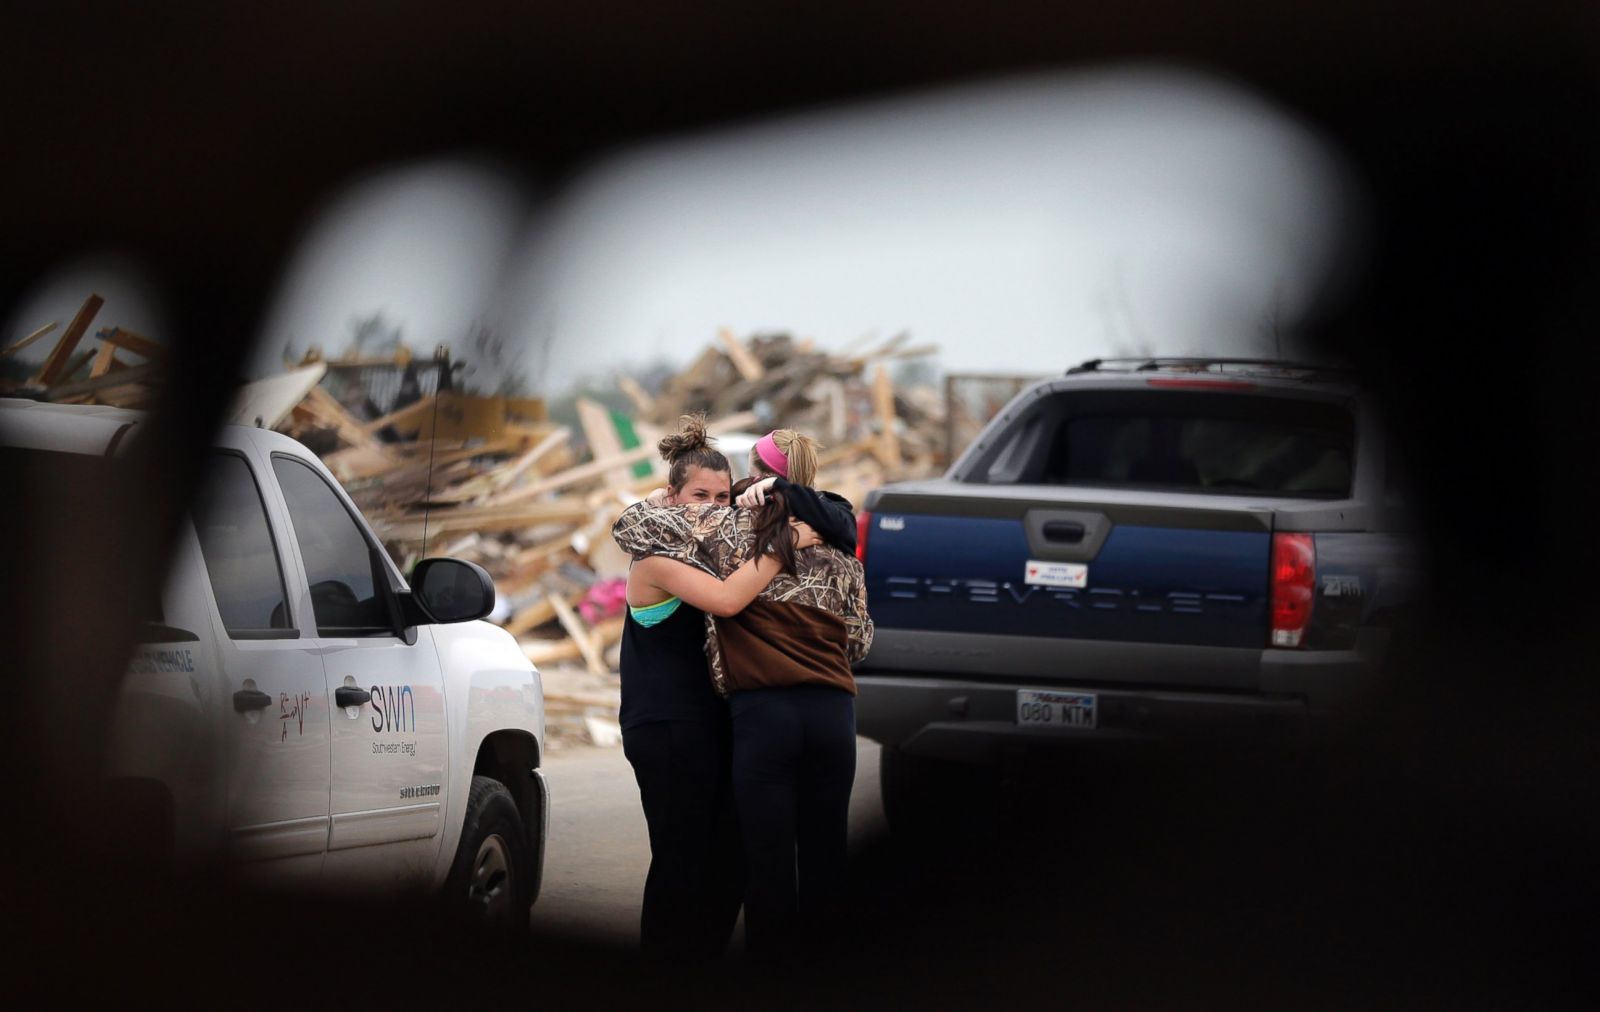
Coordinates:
(326, 408)
(574, 626)
(42, 331)
(483, 520)
(742, 360)
(103, 360)
(540, 612)
(53, 370)
(266, 402)
(596, 468)
(407, 419)
(883, 409)
(118, 378)
(604, 443)
(141, 346)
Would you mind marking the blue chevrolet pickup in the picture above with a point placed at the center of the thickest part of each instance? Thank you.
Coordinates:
(1138, 552)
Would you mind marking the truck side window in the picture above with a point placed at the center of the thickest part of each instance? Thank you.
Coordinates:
(1015, 458)
(341, 566)
(240, 556)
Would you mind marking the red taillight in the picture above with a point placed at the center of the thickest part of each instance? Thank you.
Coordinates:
(863, 524)
(1294, 577)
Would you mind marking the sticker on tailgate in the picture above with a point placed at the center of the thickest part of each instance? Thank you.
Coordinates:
(1056, 574)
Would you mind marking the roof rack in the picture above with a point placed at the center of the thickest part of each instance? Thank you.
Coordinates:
(1279, 367)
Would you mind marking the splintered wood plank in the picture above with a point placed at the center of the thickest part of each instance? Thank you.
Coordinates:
(134, 374)
(641, 400)
(575, 629)
(550, 651)
(136, 396)
(327, 408)
(52, 371)
(77, 362)
(482, 520)
(888, 347)
(42, 331)
(837, 454)
(508, 475)
(851, 346)
(408, 419)
(700, 372)
(103, 360)
(141, 346)
(355, 463)
(743, 361)
(539, 612)
(466, 416)
(883, 409)
(918, 351)
(604, 443)
(651, 435)
(595, 468)
(268, 401)
(606, 632)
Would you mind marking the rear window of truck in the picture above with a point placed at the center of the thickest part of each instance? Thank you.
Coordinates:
(1222, 444)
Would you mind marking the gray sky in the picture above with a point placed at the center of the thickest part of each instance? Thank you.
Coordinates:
(1021, 224)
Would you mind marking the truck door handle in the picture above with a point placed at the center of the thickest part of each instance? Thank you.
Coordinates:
(1067, 531)
(246, 700)
(344, 695)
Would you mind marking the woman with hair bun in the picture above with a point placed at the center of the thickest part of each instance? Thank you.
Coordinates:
(675, 728)
(785, 664)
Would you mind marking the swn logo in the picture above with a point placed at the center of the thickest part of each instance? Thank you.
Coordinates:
(394, 708)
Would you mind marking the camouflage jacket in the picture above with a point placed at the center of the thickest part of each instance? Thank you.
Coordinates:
(806, 626)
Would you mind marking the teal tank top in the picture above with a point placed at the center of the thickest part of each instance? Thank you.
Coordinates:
(654, 614)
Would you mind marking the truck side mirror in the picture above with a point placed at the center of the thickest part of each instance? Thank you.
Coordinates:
(450, 590)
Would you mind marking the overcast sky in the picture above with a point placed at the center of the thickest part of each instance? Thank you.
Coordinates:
(1022, 225)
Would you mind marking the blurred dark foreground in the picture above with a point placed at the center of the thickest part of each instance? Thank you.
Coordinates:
(1441, 855)
(1201, 880)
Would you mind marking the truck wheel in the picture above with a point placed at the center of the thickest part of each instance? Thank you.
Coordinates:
(492, 873)
(931, 803)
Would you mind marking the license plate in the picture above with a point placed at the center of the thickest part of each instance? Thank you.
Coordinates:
(1056, 709)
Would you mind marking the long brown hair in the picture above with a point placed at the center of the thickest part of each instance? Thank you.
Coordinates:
(687, 449)
(772, 531)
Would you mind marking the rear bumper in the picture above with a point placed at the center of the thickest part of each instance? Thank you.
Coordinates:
(975, 721)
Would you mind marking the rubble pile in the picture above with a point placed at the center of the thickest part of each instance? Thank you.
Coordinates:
(496, 481)
(116, 367)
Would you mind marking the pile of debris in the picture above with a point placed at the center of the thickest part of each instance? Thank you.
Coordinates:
(496, 481)
(96, 374)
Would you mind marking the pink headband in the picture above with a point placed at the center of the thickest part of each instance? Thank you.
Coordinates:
(767, 450)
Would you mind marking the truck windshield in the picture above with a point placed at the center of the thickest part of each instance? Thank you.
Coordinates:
(1220, 444)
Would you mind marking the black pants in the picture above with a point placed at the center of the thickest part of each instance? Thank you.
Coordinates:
(692, 893)
(794, 762)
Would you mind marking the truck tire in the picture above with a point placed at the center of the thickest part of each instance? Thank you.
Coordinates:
(490, 880)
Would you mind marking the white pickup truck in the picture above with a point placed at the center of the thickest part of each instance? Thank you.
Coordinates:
(298, 709)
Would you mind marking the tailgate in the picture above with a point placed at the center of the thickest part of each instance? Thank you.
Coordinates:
(1067, 577)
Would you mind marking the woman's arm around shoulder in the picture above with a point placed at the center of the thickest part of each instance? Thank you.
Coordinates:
(718, 597)
(830, 514)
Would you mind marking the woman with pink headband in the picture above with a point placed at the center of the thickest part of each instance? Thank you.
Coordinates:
(786, 461)
(784, 663)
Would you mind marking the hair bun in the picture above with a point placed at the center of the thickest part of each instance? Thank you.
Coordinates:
(691, 436)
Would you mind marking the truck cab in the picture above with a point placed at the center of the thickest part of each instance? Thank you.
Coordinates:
(300, 713)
